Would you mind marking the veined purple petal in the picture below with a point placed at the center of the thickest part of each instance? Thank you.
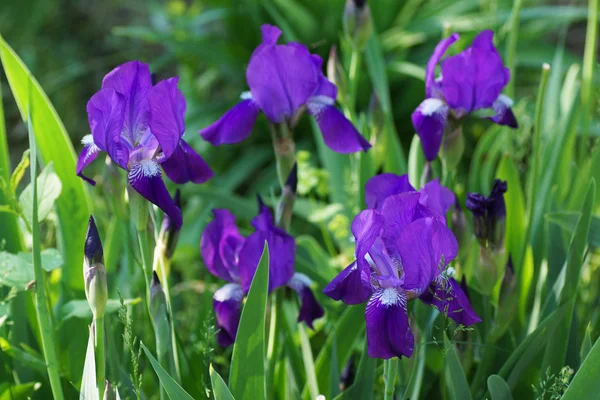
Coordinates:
(398, 212)
(220, 246)
(167, 110)
(352, 285)
(425, 246)
(87, 155)
(382, 186)
(388, 332)
(105, 115)
(282, 251)
(235, 125)
(310, 309)
(448, 297)
(227, 303)
(366, 228)
(474, 78)
(429, 121)
(146, 179)
(133, 81)
(437, 55)
(504, 115)
(338, 133)
(281, 78)
(437, 197)
(185, 165)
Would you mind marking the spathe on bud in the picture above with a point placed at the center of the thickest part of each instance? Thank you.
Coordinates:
(336, 73)
(94, 273)
(169, 231)
(358, 24)
(283, 213)
(109, 392)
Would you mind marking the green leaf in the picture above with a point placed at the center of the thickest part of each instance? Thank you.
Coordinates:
(455, 375)
(555, 355)
(498, 388)
(29, 360)
(15, 271)
(586, 344)
(89, 390)
(416, 162)
(49, 188)
(220, 389)
(568, 220)
(585, 383)
(54, 145)
(173, 389)
(362, 388)
(20, 392)
(81, 308)
(18, 173)
(247, 374)
(309, 362)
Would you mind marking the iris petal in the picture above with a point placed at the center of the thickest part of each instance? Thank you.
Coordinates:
(167, 110)
(382, 186)
(352, 286)
(87, 155)
(448, 297)
(220, 245)
(185, 165)
(234, 126)
(310, 309)
(429, 121)
(227, 303)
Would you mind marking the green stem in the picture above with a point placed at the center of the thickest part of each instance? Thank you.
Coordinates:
(587, 88)
(285, 150)
(353, 79)
(511, 48)
(271, 356)
(41, 304)
(99, 353)
(161, 267)
(146, 260)
(161, 353)
(390, 377)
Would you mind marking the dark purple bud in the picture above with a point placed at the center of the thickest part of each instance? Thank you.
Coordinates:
(347, 376)
(93, 245)
(169, 231)
(357, 22)
(489, 215)
(360, 3)
(292, 180)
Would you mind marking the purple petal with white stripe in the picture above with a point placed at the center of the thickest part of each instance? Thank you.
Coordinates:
(448, 297)
(234, 126)
(185, 165)
(388, 331)
(504, 115)
(167, 110)
(310, 309)
(429, 121)
(87, 155)
(227, 303)
(382, 186)
(220, 245)
(146, 179)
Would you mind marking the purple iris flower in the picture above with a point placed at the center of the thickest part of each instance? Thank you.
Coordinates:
(489, 215)
(402, 250)
(471, 80)
(284, 81)
(141, 126)
(230, 256)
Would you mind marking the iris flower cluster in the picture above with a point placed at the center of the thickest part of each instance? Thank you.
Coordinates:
(233, 258)
(403, 249)
(471, 80)
(140, 126)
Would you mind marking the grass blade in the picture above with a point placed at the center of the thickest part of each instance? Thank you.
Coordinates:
(585, 384)
(498, 388)
(54, 145)
(455, 375)
(247, 375)
(174, 391)
(220, 389)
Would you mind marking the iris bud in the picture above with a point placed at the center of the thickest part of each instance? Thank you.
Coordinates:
(336, 73)
(169, 232)
(489, 216)
(357, 22)
(109, 392)
(347, 375)
(94, 273)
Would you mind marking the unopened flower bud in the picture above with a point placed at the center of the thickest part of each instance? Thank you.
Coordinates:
(489, 216)
(357, 22)
(169, 232)
(336, 73)
(109, 392)
(94, 273)
(347, 376)
(160, 315)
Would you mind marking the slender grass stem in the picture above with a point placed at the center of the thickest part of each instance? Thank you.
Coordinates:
(390, 377)
(271, 346)
(587, 87)
(41, 304)
(99, 355)
(353, 79)
(511, 48)
(146, 260)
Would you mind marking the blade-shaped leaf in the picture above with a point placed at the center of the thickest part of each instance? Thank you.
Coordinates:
(89, 390)
(568, 221)
(455, 375)
(54, 145)
(498, 388)
(247, 374)
(81, 308)
(585, 384)
(174, 391)
(220, 389)
(362, 388)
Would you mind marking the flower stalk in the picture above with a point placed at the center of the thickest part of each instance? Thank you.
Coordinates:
(390, 377)
(162, 327)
